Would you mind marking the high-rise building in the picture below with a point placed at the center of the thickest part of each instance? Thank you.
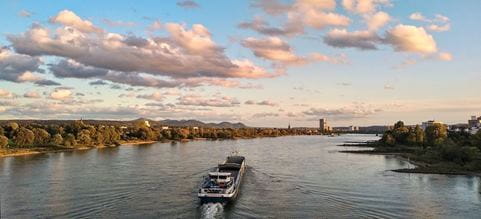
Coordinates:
(474, 122)
(323, 126)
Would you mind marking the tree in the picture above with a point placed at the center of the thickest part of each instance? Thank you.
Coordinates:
(84, 137)
(388, 138)
(419, 133)
(436, 134)
(42, 137)
(399, 124)
(23, 137)
(57, 139)
(69, 140)
(3, 141)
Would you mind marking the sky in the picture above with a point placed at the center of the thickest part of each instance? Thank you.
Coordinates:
(264, 63)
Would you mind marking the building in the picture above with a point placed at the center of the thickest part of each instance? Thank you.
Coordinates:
(474, 122)
(346, 129)
(323, 126)
(426, 124)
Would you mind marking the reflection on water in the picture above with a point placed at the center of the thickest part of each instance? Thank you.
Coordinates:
(299, 176)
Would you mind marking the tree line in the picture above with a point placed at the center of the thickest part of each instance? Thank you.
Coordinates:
(81, 134)
(437, 144)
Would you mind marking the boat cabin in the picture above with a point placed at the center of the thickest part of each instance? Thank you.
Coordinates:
(220, 179)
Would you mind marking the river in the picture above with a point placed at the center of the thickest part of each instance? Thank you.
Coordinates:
(287, 177)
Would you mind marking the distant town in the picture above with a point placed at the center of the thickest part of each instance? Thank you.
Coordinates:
(472, 126)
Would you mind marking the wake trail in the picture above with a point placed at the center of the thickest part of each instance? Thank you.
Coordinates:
(212, 210)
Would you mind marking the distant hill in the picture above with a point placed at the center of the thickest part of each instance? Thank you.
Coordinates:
(170, 122)
(167, 122)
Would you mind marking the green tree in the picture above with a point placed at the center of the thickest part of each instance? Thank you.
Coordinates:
(23, 137)
(436, 134)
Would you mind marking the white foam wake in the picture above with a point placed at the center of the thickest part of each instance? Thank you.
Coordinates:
(212, 210)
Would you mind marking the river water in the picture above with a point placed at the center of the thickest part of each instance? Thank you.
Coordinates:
(287, 177)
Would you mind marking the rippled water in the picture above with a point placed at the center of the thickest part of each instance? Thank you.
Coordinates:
(300, 176)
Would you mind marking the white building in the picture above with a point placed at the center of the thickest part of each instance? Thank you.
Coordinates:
(426, 124)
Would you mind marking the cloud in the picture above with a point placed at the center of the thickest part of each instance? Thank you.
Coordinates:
(68, 18)
(417, 16)
(439, 23)
(113, 23)
(267, 103)
(299, 15)
(406, 38)
(216, 101)
(61, 94)
(445, 56)
(263, 27)
(188, 4)
(272, 7)
(388, 87)
(156, 25)
(184, 53)
(47, 83)
(261, 103)
(276, 50)
(363, 6)
(24, 13)
(157, 96)
(377, 20)
(439, 28)
(31, 94)
(346, 84)
(356, 110)
(261, 115)
(98, 82)
(5, 94)
(341, 38)
(17, 67)
(273, 49)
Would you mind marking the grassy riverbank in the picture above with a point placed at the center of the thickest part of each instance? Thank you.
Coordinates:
(434, 150)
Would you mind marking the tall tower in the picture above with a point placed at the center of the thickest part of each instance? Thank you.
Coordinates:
(323, 125)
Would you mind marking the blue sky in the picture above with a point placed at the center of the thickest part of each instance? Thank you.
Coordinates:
(418, 60)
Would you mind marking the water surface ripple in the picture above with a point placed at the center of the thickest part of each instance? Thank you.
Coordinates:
(287, 177)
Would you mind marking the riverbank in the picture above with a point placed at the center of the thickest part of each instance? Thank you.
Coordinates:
(408, 154)
(57, 149)
(14, 152)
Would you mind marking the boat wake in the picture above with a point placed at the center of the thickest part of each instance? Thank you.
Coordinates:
(212, 210)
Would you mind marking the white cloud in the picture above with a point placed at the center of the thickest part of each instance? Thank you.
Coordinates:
(439, 28)
(183, 53)
(215, 101)
(417, 16)
(408, 38)
(68, 18)
(377, 20)
(445, 56)
(6, 94)
(61, 94)
(157, 96)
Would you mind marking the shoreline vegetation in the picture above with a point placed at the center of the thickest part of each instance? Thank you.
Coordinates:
(435, 150)
(18, 138)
